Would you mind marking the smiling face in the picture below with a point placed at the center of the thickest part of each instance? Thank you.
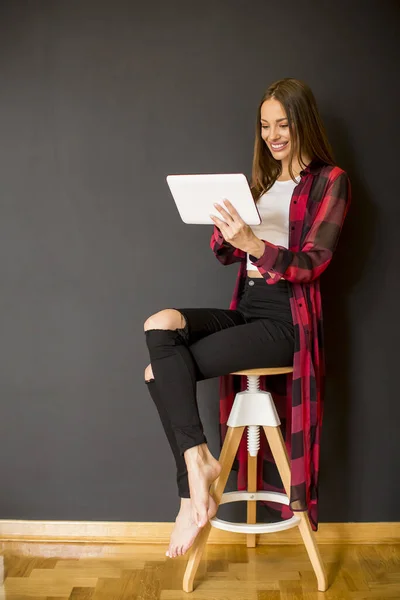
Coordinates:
(284, 149)
(275, 129)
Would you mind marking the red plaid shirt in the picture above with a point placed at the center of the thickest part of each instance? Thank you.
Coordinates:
(318, 208)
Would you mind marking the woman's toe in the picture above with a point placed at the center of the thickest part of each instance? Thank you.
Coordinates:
(185, 549)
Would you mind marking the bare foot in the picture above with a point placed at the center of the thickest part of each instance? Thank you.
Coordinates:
(185, 530)
(203, 469)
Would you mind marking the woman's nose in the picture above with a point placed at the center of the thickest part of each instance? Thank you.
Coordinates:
(274, 135)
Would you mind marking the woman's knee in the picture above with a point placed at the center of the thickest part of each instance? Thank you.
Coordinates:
(148, 373)
(168, 318)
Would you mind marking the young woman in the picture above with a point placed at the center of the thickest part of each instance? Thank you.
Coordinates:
(274, 318)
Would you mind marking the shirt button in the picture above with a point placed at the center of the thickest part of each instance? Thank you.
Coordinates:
(251, 282)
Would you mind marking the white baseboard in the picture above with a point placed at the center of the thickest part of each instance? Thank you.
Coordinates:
(117, 532)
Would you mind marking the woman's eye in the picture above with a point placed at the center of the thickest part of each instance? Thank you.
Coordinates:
(266, 126)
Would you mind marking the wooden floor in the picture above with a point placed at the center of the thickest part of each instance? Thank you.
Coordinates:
(109, 572)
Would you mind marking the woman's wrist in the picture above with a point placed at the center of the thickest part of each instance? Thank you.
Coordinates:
(257, 248)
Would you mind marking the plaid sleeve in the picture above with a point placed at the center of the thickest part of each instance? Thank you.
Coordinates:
(224, 251)
(319, 244)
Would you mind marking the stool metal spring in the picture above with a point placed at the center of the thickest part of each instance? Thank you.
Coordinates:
(253, 431)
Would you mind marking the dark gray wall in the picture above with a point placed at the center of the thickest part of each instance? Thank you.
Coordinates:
(99, 101)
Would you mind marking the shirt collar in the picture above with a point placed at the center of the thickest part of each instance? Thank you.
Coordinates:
(313, 167)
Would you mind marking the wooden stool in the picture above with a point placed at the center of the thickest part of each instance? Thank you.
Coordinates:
(253, 409)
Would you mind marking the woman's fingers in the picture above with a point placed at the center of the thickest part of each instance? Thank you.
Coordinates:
(233, 212)
(220, 224)
(224, 212)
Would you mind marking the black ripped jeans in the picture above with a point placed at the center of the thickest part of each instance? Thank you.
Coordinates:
(214, 342)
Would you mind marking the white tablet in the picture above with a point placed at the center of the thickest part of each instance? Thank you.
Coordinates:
(195, 195)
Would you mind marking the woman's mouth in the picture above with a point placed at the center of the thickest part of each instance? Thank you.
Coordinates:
(279, 147)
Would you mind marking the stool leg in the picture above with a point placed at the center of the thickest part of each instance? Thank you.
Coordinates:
(226, 458)
(279, 452)
(251, 504)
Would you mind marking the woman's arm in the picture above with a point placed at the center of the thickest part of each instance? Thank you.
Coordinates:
(224, 251)
(319, 245)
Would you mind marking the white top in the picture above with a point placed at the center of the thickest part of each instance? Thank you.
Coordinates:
(273, 207)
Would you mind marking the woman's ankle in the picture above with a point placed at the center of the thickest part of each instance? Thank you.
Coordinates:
(185, 507)
(185, 502)
(200, 453)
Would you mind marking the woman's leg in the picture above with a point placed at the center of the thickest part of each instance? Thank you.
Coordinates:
(175, 388)
(185, 528)
(181, 469)
(202, 322)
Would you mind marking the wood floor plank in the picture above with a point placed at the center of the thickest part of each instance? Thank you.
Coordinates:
(78, 571)
(99, 563)
(79, 593)
(270, 595)
(208, 595)
(18, 586)
(123, 589)
(149, 587)
(290, 590)
(107, 589)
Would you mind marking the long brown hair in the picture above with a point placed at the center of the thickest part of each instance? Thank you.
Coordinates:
(307, 133)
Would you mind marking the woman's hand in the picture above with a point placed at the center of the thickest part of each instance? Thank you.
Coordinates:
(236, 231)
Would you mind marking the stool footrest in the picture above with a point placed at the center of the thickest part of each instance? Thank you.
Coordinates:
(237, 496)
(256, 527)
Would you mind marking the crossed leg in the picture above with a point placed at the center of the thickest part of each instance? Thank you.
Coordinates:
(203, 468)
